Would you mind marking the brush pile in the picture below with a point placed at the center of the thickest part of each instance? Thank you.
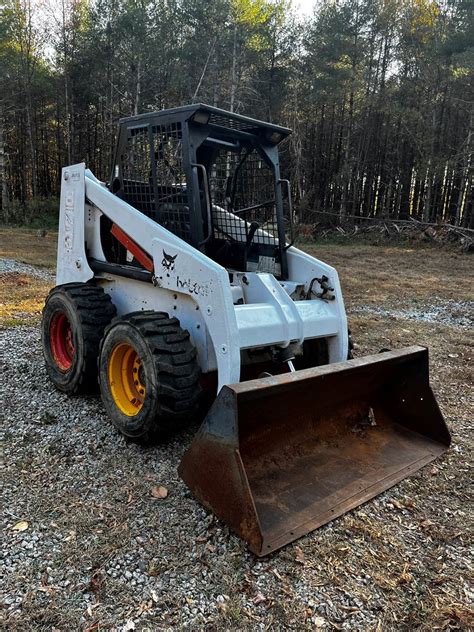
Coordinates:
(377, 230)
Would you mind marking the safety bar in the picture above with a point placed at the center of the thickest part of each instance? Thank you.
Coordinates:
(197, 166)
(290, 208)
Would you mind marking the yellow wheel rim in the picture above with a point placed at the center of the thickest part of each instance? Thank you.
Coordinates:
(126, 379)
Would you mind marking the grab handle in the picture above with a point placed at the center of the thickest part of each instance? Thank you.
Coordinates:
(290, 209)
(207, 196)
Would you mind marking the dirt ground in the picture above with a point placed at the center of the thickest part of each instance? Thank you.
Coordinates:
(99, 552)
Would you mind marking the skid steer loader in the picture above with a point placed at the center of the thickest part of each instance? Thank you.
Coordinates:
(179, 277)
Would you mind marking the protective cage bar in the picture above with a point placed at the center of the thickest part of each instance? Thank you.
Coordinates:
(242, 187)
(159, 165)
(153, 177)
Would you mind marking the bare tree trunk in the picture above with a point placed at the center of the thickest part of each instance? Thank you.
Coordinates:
(198, 87)
(430, 173)
(27, 67)
(137, 88)
(427, 202)
(233, 79)
(31, 141)
(66, 86)
(3, 175)
(467, 170)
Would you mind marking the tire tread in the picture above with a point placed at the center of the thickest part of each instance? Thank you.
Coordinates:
(175, 360)
(95, 310)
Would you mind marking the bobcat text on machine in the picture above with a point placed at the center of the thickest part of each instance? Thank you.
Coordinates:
(179, 276)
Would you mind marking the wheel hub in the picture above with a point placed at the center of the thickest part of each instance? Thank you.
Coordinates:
(61, 341)
(126, 379)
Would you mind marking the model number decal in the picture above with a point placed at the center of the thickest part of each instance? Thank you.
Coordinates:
(68, 224)
(201, 289)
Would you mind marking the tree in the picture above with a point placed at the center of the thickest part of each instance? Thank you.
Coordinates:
(379, 93)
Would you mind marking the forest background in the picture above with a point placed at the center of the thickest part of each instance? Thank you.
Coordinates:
(379, 94)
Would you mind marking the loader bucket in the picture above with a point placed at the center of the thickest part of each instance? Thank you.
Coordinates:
(280, 456)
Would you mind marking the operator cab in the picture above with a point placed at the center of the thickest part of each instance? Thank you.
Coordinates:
(210, 177)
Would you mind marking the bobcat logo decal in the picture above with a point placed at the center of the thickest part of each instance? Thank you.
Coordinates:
(168, 261)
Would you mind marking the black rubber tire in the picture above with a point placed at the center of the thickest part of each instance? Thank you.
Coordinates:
(171, 374)
(350, 349)
(315, 353)
(89, 311)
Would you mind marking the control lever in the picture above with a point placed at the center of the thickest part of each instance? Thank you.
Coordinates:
(254, 226)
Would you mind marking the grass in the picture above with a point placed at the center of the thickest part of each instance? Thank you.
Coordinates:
(398, 274)
(21, 299)
(25, 245)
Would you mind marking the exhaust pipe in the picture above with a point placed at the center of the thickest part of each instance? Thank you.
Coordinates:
(280, 456)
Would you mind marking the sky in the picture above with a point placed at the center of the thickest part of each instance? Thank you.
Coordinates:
(305, 6)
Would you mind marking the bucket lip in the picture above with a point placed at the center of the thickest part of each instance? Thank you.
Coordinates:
(241, 388)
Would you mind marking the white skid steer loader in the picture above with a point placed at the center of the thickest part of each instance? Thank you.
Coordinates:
(179, 277)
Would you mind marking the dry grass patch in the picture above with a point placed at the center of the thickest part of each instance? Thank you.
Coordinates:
(399, 275)
(28, 246)
(21, 299)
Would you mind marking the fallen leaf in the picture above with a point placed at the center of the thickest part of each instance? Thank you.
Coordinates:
(259, 598)
(144, 607)
(128, 626)
(405, 576)
(299, 557)
(277, 575)
(397, 504)
(434, 470)
(319, 622)
(352, 609)
(97, 581)
(20, 526)
(154, 596)
(201, 538)
(160, 492)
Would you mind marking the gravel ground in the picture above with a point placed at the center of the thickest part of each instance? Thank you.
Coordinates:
(10, 265)
(447, 312)
(86, 546)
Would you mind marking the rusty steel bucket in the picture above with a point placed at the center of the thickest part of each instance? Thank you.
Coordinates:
(280, 456)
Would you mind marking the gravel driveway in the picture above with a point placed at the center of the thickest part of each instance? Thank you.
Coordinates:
(10, 265)
(86, 546)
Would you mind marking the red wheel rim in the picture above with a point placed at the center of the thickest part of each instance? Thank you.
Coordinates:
(61, 341)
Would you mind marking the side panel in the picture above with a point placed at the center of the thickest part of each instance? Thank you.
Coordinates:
(182, 269)
(304, 268)
(71, 262)
(129, 295)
